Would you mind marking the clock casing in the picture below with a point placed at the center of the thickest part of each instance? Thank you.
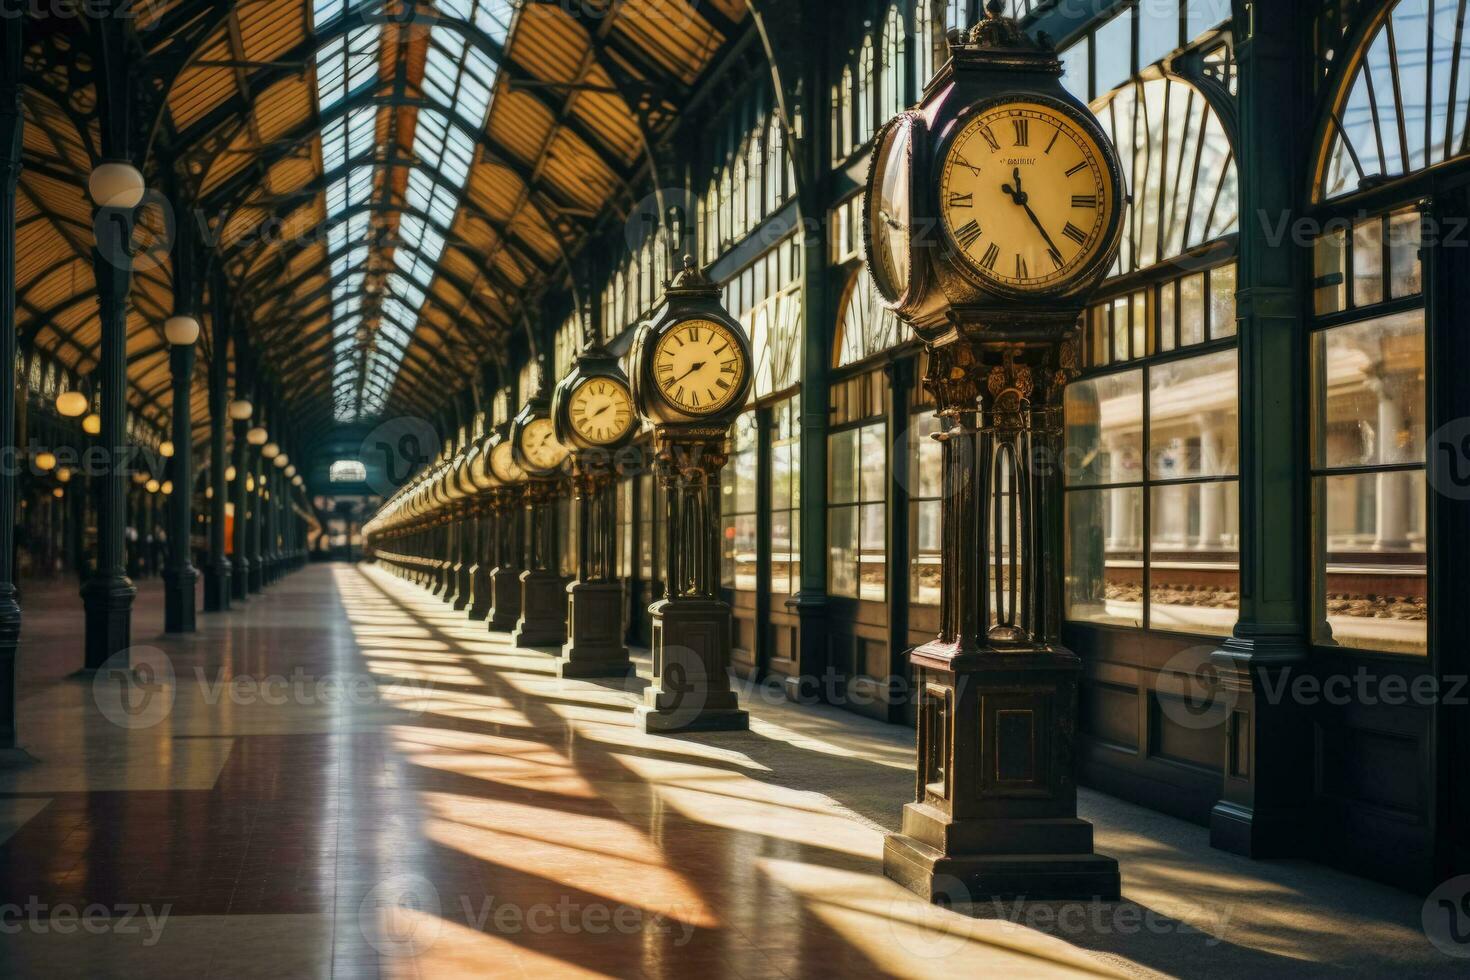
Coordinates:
(533, 440)
(691, 306)
(592, 418)
(965, 278)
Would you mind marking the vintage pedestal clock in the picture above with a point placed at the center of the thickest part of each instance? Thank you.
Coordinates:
(691, 377)
(992, 212)
(592, 409)
(543, 619)
(505, 506)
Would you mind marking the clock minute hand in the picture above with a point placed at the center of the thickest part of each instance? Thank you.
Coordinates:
(1037, 222)
(692, 368)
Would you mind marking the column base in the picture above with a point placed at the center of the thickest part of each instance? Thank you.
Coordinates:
(505, 604)
(691, 656)
(594, 647)
(178, 600)
(9, 671)
(255, 578)
(956, 879)
(543, 621)
(652, 721)
(463, 579)
(108, 612)
(240, 581)
(481, 597)
(217, 588)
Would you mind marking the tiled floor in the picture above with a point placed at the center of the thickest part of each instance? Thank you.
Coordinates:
(345, 778)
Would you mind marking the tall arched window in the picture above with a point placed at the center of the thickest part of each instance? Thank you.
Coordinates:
(1404, 107)
(842, 118)
(891, 83)
(775, 167)
(866, 94)
(927, 30)
(1181, 171)
(1157, 433)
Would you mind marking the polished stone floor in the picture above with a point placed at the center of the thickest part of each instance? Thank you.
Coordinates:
(345, 778)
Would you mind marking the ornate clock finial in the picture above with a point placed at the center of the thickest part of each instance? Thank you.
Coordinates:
(692, 281)
(996, 30)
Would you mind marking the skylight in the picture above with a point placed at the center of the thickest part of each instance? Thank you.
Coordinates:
(458, 80)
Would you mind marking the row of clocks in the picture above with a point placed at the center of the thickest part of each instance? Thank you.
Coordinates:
(692, 367)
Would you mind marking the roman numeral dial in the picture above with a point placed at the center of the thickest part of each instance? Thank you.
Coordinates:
(601, 410)
(1027, 198)
(699, 367)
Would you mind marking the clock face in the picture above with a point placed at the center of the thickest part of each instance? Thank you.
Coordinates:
(700, 367)
(601, 410)
(887, 210)
(1026, 196)
(503, 464)
(539, 445)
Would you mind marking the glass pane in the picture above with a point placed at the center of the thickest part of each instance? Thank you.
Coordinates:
(1371, 577)
(1097, 320)
(842, 551)
(924, 557)
(1167, 327)
(1368, 392)
(1406, 276)
(1368, 263)
(1158, 30)
(1140, 324)
(925, 472)
(1120, 329)
(1329, 272)
(1075, 70)
(1222, 302)
(873, 555)
(874, 470)
(1104, 434)
(741, 551)
(782, 539)
(781, 476)
(842, 462)
(1194, 564)
(1192, 309)
(1114, 55)
(1193, 417)
(1105, 556)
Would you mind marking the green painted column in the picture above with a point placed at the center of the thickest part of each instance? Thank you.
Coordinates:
(1268, 746)
(11, 124)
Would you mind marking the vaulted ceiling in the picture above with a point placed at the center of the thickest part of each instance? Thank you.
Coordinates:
(386, 189)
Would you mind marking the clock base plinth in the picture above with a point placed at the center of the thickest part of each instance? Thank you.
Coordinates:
(691, 657)
(996, 808)
(952, 879)
(543, 621)
(505, 598)
(594, 647)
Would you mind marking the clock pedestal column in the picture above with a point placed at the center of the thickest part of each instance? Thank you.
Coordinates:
(692, 626)
(543, 619)
(465, 567)
(594, 646)
(995, 808)
(505, 577)
(480, 595)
